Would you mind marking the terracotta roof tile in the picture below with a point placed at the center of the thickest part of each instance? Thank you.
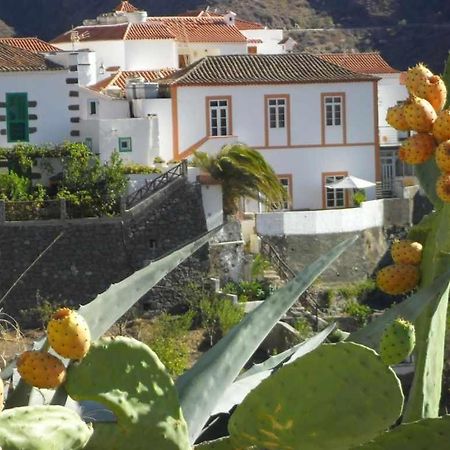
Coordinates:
(201, 29)
(148, 30)
(247, 25)
(120, 78)
(370, 62)
(95, 33)
(257, 69)
(13, 59)
(183, 29)
(32, 44)
(125, 6)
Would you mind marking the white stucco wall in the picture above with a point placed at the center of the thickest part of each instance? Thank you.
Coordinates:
(270, 38)
(150, 54)
(162, 109)
(305, 113)
(110, 53)
(212, 205)
(50, 91)
(369, 215)
(107, 107)
(105, 134)
(390, 91)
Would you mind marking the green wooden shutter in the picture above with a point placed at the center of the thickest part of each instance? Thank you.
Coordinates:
(17, 117)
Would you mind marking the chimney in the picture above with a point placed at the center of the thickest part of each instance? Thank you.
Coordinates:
(230, 18)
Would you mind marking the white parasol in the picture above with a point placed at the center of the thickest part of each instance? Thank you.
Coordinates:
(350, 182)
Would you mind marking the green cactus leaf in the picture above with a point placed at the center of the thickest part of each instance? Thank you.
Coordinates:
(237, 391)
(409, 309)
(446, 78)
(427, 174)
(108, 307)
(201, 387)
(335, 397)
(42, 428)
(126, 376)
(425, 393)
(422, 435)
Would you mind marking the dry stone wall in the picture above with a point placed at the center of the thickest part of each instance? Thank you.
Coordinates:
(91, 254)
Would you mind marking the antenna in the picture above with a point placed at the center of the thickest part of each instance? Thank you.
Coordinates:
(76, 37)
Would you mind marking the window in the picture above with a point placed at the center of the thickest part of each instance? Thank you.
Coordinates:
(88, 143)
(333, 110)
(277, 113)
(286, 182)
(334, 198)
(219, 117)
(17, 117)
(92, 107)
(125, 144)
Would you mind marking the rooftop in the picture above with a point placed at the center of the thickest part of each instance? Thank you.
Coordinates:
(14, 59)
(32, 44)
(120, 78)
(125, 6)
(257, 69)
(370, 62)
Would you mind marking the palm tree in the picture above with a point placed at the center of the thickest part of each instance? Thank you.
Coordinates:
(243, 172)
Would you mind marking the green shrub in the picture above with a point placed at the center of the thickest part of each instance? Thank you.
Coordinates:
(360, 312)
(134, 168)
(359, 197)
(259, 265)
(304, 328)
(329, 298)
(250, 290)
(357, 290)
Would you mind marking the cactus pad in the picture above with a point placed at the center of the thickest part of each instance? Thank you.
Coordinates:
(338, 396)
(422, 435)
(397, 342)
(219, 444)
(42, 428)
(68, 334)
(126, 376)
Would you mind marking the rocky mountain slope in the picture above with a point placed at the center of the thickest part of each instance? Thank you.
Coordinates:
(405, 31)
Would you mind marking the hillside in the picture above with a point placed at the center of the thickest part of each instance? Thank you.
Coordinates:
(405, 31)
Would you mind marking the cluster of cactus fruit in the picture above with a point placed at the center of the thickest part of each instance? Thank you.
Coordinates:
(423, 112)
(317, 395)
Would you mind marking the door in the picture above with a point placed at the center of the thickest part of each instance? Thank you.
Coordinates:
(387, 173)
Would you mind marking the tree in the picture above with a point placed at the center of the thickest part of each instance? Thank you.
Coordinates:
(243, 172)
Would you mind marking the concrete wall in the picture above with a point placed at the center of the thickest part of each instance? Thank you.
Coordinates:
(150, 54)
(93, 253)
(371, 214)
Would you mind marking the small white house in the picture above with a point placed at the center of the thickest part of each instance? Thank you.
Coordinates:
(36, 97)
(391, 90)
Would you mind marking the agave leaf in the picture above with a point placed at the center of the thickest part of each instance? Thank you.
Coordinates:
(247, 382)
(108, 307)
(410, 309)
(201, 387)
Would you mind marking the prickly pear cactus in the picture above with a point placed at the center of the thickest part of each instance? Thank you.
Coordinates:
(42, 428)
(220, 444)
(421, 435)
(127, 377)
(397, 342)
(338, 396)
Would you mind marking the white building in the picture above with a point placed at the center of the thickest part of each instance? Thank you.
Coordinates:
(391, 90)
(128, 39)
(35, 97)
(313, 121)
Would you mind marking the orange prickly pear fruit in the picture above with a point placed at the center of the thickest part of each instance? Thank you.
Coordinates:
(41, 369)
(417, 149)
(436, 92)
(443, 187)
(419, 114)
(441, 126)
(395, 117)
(398, 279)
(406, 252)
(68, 334)
(442, 156)
(416, 79)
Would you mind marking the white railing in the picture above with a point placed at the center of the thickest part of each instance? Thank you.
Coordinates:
(369, 215)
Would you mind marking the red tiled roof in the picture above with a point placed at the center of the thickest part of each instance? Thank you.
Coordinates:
(183, 29)
(247, 25)
(148, 30)
(201, 29)
(120, 78)
(241, 24)
(263, 69)
(95, 33)
(14, 59)
(254, 41)
(125, 6)
(370, 62)
(32, 44)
